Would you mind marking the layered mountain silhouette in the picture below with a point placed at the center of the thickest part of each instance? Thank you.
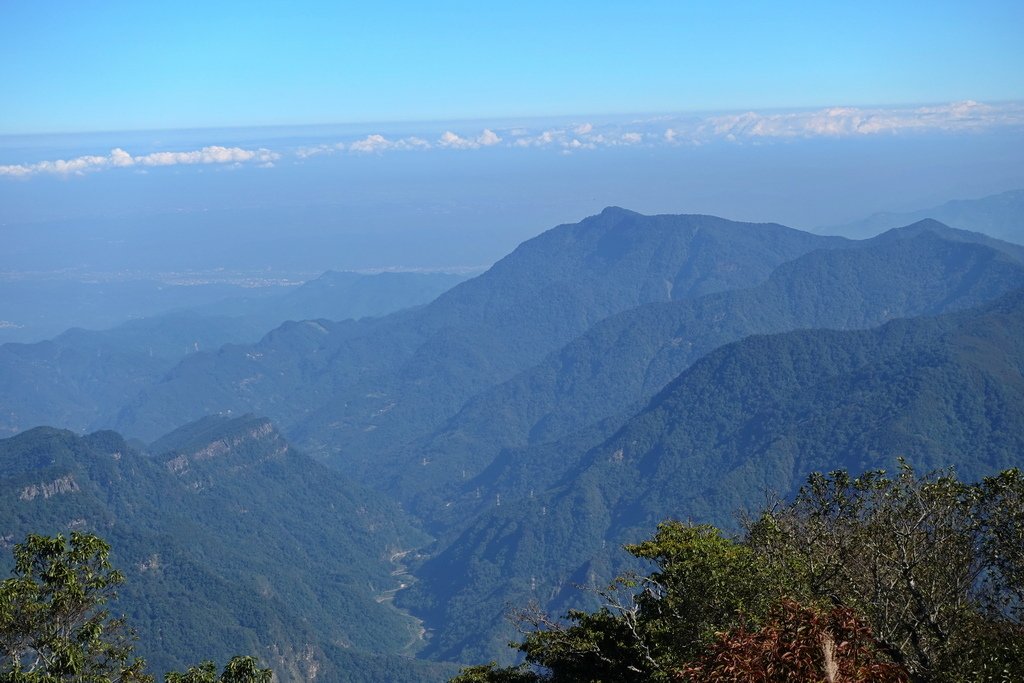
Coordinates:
(343, 390)
(602, 377)
(998, 216)
(626, 358)
(746, 421)
(82, 375)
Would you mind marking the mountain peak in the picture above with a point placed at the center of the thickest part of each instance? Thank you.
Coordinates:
(945, 232)
(913, 229)
(617, 211)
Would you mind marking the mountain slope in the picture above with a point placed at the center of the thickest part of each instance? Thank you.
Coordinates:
(352, 392)
(751, 416)
(342, 295)
(628, 357)
(338, 295)
(230, 539)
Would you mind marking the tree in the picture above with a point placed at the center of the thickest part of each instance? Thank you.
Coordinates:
(1001, 517)
(704, 583)
(54, 625)
(919, 556)
(651, 625)
(238, 670)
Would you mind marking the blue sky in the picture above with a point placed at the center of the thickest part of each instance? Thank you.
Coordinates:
(81, 66)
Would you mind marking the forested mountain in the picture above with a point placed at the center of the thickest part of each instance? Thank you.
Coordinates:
(750, 417)
(628, 357)
(604, 376)
(231, 539)
(349, 390)
(81, 375)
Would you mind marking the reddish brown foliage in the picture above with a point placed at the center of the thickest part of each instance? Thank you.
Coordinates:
(797, 644)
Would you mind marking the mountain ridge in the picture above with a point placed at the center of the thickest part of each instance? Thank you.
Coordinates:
(628, 356)
(752, 416)
(547, 291)
(231, 538)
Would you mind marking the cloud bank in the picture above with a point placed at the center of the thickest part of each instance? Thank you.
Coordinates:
(663, 131)
(853, 121)
(119, 158)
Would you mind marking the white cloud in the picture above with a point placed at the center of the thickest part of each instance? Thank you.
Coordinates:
(487, 138)
(542, 139)
(450, 139)
(684, 129)
(372, 143)
(579, 137)
(119, 158)
(317, 150)
(751, 126)
(852, 121)
(377, 143)
(207, 155)
(15, 170)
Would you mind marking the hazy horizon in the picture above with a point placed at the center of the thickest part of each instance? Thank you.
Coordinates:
(211, 151)
(460, 196)
(209, 164)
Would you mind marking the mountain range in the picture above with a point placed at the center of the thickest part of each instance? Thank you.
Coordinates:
(81, 375)
(745, 422)
(497, 445)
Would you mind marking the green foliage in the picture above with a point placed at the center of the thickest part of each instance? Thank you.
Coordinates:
(238, 670)
(920, 557)
(1001, 516)
(704, 583)
(652, 625)
(53, 622)
(492, 673)
(876, 577)
(54, 625)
